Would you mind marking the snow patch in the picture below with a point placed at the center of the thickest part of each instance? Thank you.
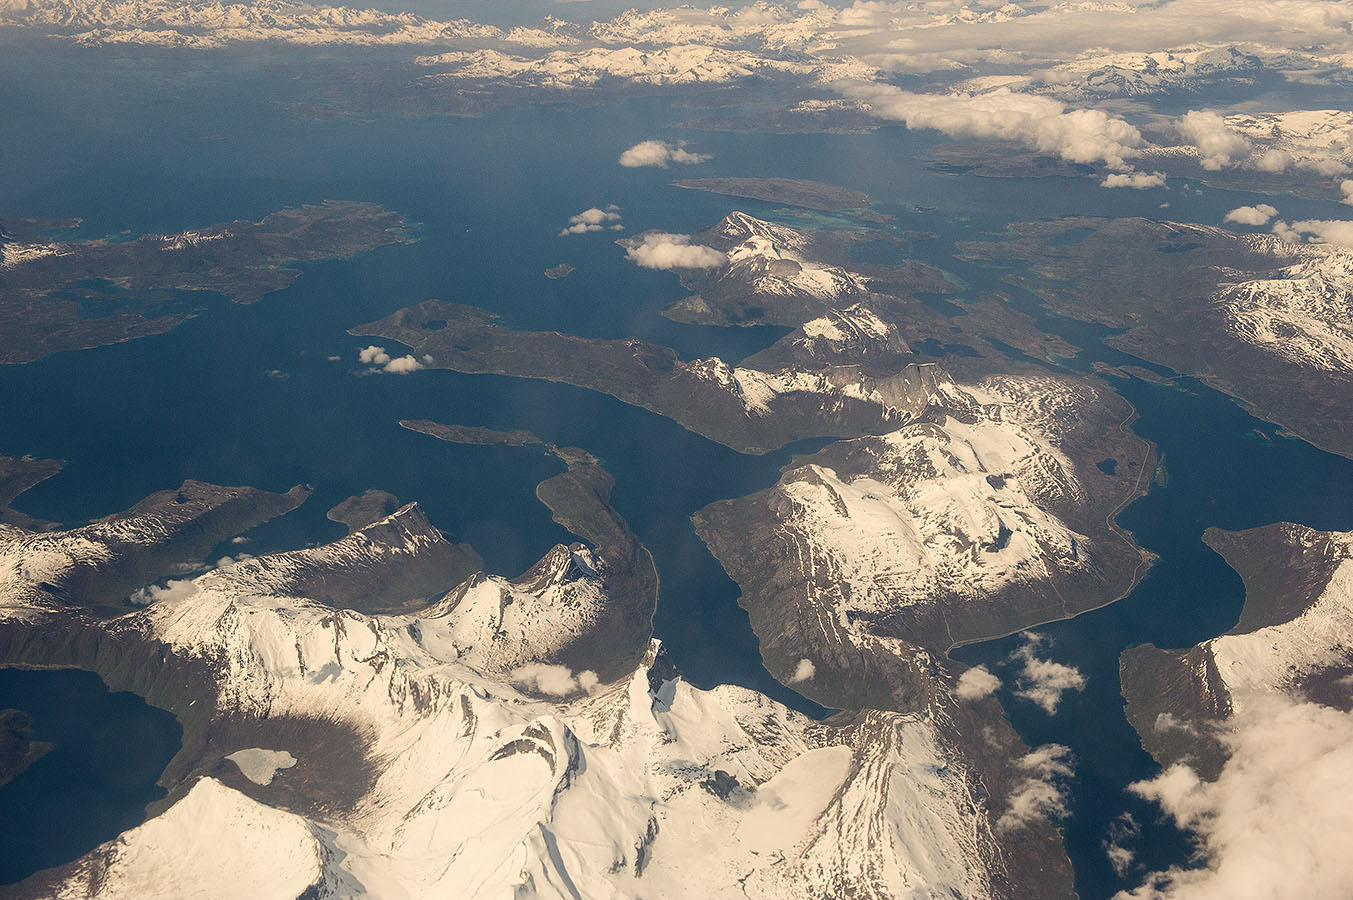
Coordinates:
(261, 766)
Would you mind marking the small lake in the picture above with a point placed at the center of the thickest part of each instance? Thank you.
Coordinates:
(108, 750)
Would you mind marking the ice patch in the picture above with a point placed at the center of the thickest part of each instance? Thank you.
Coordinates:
(259, 765)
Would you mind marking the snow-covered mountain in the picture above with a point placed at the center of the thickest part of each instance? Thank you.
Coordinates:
(211, 24)
(776, 274)
(493, 771)
(1302, 312)
(1102, 75)
(676, 65)
(769, 259)
(979, 518)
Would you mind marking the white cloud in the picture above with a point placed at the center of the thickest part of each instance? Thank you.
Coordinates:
(1041, 793)
(976, 683)
(1043, 681)
(1273, 160)
(1346, 188)
(1218, 144)
(804, 671)
(1276, 822)
(1316, 231)
(554, 680)
(1260, 214)
(1041, 123)
(658, 250)
(594, 219)
(402, 365)
(1167, 722)
(1137, 180)
(174, 589)
(1122, 831)
(382, 361)
(660, 153)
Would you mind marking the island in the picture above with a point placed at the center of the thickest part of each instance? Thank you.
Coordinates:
(792, 191)
(57, 293)
(747, 410)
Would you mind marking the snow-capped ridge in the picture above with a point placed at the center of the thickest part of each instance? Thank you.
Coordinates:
(1302, 312)
(214, 842)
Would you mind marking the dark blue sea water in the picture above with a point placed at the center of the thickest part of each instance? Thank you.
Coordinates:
(152, 142)
(108, 750)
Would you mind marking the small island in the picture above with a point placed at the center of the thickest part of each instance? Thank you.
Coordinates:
(793, 191)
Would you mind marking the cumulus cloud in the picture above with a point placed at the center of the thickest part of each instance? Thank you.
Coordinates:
(1316, 231)
(660, 154)
(381, 361)
(555, 681)
(1346, 188)
(659, 250)
(1136, 180)
(976, 683)
(1167, 722)
(171, 590)
(1273, 160)
(1044, 681)
(594, 219)
(804, 671)
(1218, 144)
(402, 365)
(1042, 792)
(1259, 214)
(1277, 820)
(174, 589)
(1122, 831)
(1040, 123)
